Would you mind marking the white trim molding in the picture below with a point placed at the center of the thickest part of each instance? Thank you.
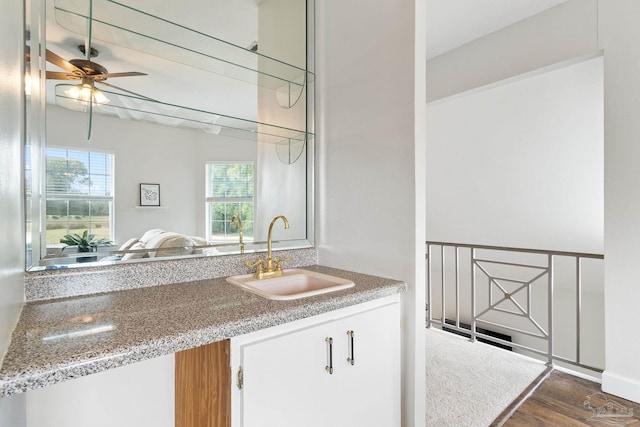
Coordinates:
(618, 385)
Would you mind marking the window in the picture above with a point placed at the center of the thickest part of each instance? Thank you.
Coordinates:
(230, 191)
(79, 193)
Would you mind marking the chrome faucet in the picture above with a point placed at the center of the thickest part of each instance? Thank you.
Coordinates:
(233, 221)
(270, 267)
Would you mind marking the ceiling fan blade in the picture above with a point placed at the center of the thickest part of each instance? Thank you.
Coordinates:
(59, 75)
(111, 75)
(124, 90)
(62, 63)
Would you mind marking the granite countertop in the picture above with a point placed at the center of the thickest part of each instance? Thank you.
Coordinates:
(57, 340)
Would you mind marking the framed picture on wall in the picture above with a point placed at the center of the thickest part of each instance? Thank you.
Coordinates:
(149, 194)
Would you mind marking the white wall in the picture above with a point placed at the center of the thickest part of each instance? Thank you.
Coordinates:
(520, 164)
(11, 210)
(369, 195)
(281, 189)
(147, 153)
(619, 34)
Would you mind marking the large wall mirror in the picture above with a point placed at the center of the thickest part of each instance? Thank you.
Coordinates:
(166, 128)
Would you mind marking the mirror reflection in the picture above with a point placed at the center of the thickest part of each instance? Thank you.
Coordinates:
(171, 129)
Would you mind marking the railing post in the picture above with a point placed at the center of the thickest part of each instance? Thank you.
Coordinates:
(473, 295)
(428, 285)
(578, 305)
(550, 313)
(443, 283)
(457, 287)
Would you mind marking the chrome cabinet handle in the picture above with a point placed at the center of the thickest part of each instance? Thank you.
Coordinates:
(329, 367)
(352, 358)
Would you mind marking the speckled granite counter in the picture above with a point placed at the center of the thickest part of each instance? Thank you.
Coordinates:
(61, 339)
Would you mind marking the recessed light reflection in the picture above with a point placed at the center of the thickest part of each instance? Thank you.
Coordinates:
(90, 331)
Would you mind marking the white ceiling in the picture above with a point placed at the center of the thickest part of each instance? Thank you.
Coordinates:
(452, 23)
(166, 81)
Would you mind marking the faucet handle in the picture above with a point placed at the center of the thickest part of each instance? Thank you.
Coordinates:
(279, 262)
(259, 263)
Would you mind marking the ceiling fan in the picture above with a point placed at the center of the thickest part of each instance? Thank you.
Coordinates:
(88, 73)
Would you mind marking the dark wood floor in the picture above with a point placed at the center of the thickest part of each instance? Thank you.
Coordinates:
(561, 399)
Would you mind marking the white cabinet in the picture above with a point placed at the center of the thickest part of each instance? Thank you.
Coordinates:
(286, 378)
(140, 394)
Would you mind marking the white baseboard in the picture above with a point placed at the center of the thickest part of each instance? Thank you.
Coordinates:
(578, 374)
(621, 386)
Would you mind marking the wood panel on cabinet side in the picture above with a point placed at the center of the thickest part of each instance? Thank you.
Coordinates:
(203, 386)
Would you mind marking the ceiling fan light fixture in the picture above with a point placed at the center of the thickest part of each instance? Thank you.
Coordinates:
(99, 97)
(85, 93)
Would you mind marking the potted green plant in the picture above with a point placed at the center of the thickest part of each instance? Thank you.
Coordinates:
(85, 242)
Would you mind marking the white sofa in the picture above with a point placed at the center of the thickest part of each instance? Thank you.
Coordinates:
(160, 243)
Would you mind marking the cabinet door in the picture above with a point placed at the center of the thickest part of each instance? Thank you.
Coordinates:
(369, 393)
(140, 394)
(285, 383)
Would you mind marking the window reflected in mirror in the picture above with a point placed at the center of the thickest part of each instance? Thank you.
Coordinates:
(230, 191)
(79, 193)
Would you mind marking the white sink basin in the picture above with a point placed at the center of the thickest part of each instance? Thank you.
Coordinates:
(293, 284)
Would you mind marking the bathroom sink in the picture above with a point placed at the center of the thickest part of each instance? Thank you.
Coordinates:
(293, 284)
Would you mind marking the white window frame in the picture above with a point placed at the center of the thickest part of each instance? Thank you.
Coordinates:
(82, 197)
(209, 200)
